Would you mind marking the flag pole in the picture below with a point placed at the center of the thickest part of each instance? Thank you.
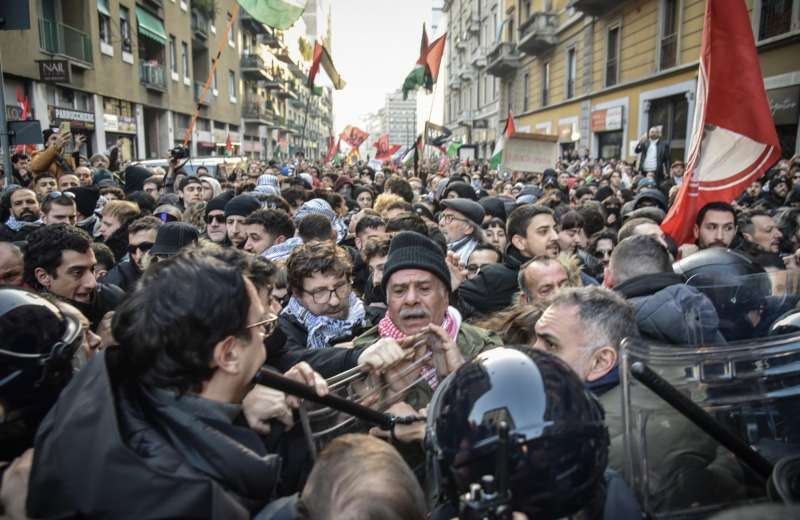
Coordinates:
(305, 120)
(234, 14)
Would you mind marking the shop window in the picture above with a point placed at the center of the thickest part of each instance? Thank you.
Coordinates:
(610, 144)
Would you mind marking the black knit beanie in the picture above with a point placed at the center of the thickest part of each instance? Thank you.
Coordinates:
(410, 250)
(241, 205)
(219, 202)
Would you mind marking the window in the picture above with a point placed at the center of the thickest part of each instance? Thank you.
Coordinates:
(546, 84)
(185, 58)
(670, 22)
(478, 91)
(511, 29)
(671, 113)
(232, 32)
(104, 19)
(173, 55)
(572, 72)
(526, 80)
(774, 18)
(125, 28)
(232, 86)
(612, 56)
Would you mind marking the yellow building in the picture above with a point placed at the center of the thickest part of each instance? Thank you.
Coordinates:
(599, 73)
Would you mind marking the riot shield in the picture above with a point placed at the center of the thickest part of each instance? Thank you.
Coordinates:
(749, 384)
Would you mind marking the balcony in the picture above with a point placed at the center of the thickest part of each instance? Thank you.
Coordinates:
(198, 89)
(199, 27)
(593, 7)
(58, 38)
(538, 33)
(465, 117)
(503, 60)
(287, 91)
(151, 75)
(256, 111)
(253, 67)
(251, 23)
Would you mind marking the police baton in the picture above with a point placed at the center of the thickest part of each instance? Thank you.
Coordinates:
(701, 418)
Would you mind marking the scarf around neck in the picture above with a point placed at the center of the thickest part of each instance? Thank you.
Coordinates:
(324, 330)
(15, 225)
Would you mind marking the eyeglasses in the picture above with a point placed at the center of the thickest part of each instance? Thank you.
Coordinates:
(268, 324)
(166, 217)
(602, 253)
(143, 247)
(56, 194)
(448, 218)
(474, 268)
(219, 219)
(323, 294)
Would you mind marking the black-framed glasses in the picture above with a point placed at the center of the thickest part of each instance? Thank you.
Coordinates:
(56, 194)
(268, 324)
(323, 294)
(219, 219)
(474, 269)
(166, 217)
(448, 218)
(143, 247)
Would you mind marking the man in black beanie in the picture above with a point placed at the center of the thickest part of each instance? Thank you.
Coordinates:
(135, 177)
(216, 230)
(86, 202)
(417, 284)
(236, 211)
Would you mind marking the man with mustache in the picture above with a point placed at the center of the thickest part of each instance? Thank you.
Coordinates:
(532, 232)
(416, 280)
(21, 214)
(715, 225)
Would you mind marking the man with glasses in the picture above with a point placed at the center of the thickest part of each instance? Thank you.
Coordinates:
(59, 208)
(483, 254)
(323, 309)
(141, 237)
(216, 230)
(460, 222)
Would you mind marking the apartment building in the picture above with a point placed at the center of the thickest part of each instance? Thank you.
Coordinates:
(400, 117)
(599, 73)
(138, 69)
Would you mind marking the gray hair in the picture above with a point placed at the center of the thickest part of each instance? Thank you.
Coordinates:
(636, 256)
(568, 262)
(606, 318)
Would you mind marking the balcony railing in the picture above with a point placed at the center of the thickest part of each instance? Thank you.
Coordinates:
(255, 110)
(538, 33)
(199, 25)
(502, 60)
(198, 89)
(151, 76)
(59, 38)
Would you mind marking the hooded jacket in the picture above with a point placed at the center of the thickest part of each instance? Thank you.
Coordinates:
(114, 449)
(494, 286)
(669, 311)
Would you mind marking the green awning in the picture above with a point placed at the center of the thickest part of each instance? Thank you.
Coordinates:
(150, 26)
(102, 6)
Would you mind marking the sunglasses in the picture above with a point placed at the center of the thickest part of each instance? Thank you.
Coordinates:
(602, 253)
(143, 247)
(166, 217)
(56, 194)
(219, 219)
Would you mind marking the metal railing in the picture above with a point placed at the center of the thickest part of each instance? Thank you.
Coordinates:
(152, 75)
(59, 38)
(254, 109)
(252, 61)
(775, 19)
(199, 24)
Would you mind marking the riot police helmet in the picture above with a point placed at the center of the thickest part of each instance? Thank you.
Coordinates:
(557, 447)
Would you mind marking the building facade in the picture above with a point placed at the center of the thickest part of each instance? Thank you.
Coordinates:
(472, 96)
(139, 69)
(400, 117)
(599, 73)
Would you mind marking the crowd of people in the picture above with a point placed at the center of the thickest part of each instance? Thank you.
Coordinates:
(485, 308)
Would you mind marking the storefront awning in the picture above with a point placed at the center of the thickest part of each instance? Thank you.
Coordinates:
(150, 26)
(102, 6)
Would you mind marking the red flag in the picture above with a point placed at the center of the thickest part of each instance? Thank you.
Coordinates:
(323, 57)
(734, 141)
(433, 56)
(510, 129)
(353, 136)
(333, 150)
(24, 106)
(423, 46)
(228, 144)
(381, 144)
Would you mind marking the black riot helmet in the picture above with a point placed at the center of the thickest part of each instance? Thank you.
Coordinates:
(557, 446)
(37, 342)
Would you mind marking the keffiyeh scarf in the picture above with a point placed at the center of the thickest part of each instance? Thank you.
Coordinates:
(323, 330)
(15, 225)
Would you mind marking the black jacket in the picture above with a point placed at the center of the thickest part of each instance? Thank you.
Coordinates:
(115, 449)
(9, 235)
(663, 158)
(287, 346)
(106, 298)
(124, 275)
(669, 311)
(493, 288)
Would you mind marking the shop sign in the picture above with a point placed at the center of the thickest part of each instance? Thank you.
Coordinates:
(115, 123)
(54, 71)
(607, 119)
(783, 102)
(76, 118)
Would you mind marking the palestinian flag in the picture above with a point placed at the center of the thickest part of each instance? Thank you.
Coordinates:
(452, 149)
(323, 57)
(418, 77)
(497, 155)
(436, 135)
(279, 14)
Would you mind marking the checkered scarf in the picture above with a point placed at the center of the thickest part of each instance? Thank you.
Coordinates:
(324, 330)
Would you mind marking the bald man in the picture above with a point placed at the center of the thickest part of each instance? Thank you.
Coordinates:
(11, 264)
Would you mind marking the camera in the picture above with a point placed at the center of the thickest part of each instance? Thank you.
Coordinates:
(178, 153)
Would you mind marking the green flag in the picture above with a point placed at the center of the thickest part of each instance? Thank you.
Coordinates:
(452, 150)
(280, 14)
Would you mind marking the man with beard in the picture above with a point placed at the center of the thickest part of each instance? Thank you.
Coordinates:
(760, 232)
(21, 214)
(715, 225)
(59, 260)
(775, 197)
(236, 211)
(141, 237)
(323, 309)
(117, 215)
(532, 232)
(216, 230)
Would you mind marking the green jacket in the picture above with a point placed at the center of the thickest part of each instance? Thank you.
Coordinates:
(471, 340)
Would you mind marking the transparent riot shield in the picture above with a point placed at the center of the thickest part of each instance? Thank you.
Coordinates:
(749, 382)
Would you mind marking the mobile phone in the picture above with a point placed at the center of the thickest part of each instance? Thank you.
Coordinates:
(64, 127)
